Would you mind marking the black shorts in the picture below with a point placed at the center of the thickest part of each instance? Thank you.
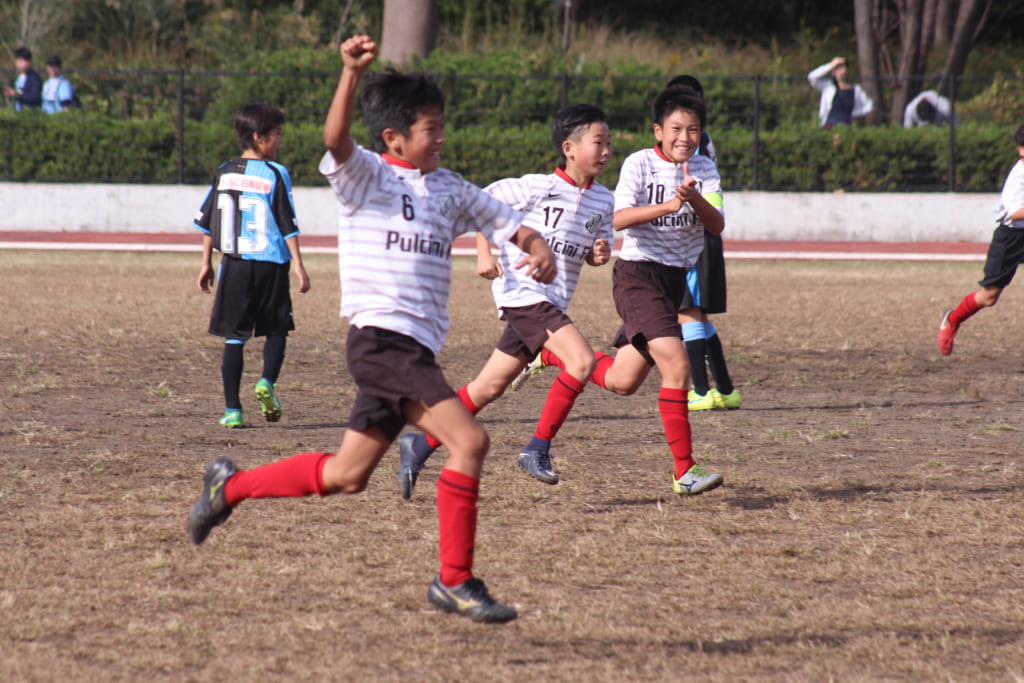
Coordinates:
(1005, 253)
(528, 328)
(705, 282)
(647, 297)
(389, 369)
(251, 295)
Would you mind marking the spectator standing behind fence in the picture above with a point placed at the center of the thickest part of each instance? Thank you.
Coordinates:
(58, 93)
(841, 99)
(928, 108)
(28, 87)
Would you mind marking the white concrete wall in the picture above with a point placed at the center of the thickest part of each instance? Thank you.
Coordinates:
(858, 217)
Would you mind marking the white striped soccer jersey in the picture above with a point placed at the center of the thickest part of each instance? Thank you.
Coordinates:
(249, 212)
(395, 237)
(570, 218)
(675, 239)
(1011, 199)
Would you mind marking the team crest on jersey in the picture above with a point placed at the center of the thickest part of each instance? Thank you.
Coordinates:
(446, 205)
(593, 222)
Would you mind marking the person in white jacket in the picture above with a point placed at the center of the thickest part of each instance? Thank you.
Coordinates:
(928, 108)
(841, 99)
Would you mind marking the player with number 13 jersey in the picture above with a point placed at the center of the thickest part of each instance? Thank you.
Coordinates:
(249, 212)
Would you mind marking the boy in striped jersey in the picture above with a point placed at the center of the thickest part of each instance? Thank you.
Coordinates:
(574, 214)
(666, 198)
(248, 215)
(400, 213)
(706, 294)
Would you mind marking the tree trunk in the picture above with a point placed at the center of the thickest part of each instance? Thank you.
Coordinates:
(910, 57)
(968, 21)
(410, 28)
(867, 55)
(943, 9)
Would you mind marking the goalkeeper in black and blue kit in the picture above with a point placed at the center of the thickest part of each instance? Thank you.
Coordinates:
(249, 216)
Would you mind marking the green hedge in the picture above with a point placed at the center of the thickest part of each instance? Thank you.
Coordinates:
(84, 147)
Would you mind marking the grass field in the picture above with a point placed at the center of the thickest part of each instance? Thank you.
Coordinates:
(868, 529)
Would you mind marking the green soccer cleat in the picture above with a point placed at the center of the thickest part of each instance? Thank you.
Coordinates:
(730, 401)
(211, 509)
(270, 404)
(470, 599)
(535, 367)
(695, 481)
(701, 401)
(232, 419)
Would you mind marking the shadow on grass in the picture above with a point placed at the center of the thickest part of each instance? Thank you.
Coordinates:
(612, 648)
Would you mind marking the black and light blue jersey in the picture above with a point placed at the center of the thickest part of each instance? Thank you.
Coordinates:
(249, 211)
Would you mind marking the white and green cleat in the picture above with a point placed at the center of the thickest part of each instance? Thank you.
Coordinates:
(232, 419)
(695, 481)
(535, 367)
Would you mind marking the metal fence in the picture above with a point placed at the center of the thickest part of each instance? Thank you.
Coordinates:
(744, 108)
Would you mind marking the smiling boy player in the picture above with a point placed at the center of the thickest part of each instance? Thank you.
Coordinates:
(399, 213)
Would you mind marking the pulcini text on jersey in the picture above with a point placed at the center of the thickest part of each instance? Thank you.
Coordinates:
(572, 250)
(419, 244)
(675, 220)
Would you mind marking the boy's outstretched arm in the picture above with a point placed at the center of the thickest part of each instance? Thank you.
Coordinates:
(637, 215)
(487, 266)
(540, 260)
(357, 53)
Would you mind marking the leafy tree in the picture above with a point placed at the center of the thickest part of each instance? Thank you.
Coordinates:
(898, 40)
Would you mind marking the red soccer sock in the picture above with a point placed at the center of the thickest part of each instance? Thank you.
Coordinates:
(604, 363)
(561, 398)
(295, 477)
(675, 418)
(551, 360)
(463, 394)
(457, 494)
(968, 307)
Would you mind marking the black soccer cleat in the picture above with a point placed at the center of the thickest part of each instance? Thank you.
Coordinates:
(537, 463)
(211, 509)
(409, 463)
(470, 599)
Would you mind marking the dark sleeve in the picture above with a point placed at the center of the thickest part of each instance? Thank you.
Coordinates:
(284, 210)
(32, 93)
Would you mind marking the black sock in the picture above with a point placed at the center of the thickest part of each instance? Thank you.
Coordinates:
(273, 356)
(231, 374)
(695, 351)
(719, 370)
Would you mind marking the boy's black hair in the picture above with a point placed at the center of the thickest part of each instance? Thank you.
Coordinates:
(256, 119)
(690, 82)
(23, 53)
(1018, 136)
(926, 111)
(675, 98)
(393, 99)
(570, 119)
(54, 60)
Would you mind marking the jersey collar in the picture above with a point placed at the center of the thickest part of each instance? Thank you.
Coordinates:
(395, 161)
(560, 172)
(661, 155)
